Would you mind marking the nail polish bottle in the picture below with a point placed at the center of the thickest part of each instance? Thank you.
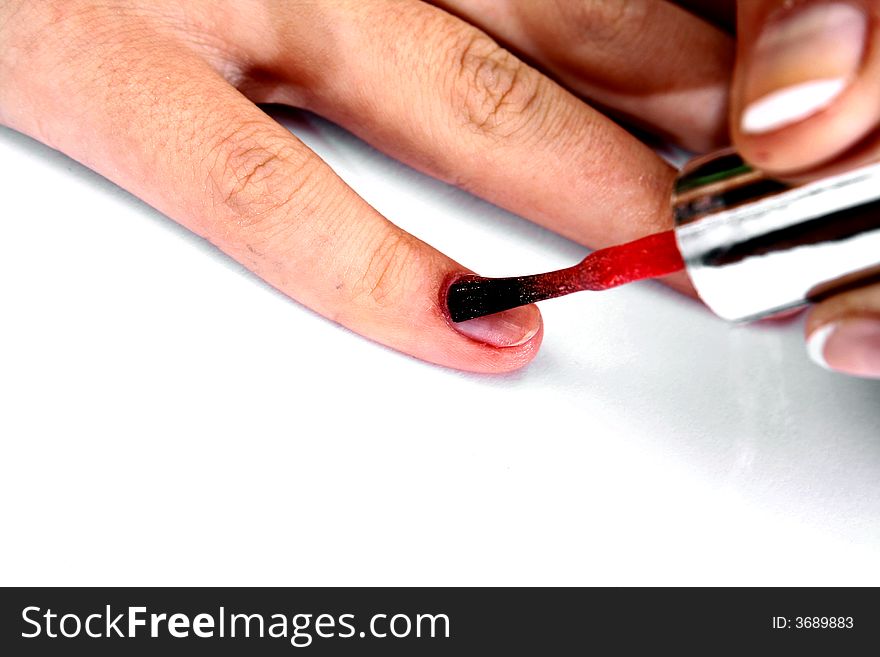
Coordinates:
(755, 246)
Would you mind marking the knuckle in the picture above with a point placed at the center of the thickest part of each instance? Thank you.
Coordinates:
(258, 179)
(384, 273)
(495, 93)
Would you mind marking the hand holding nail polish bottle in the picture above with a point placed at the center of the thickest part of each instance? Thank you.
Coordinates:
(806, 109)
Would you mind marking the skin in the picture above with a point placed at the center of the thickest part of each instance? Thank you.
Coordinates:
(509, 100)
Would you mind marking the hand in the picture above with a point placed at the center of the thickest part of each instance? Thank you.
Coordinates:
(158, 96)
(805, 101)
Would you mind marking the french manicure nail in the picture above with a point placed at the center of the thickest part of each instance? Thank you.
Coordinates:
(816, 344)
(510, 328)
(851, 346)
(802, 61)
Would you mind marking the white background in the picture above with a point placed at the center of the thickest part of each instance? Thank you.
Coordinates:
(167, 418)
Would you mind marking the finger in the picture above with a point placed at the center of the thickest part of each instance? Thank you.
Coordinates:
(807, 83)
(161, 123)
(651, 61)
(442, 96)
(843, 333)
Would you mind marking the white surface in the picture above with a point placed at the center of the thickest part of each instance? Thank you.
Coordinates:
(166, 418)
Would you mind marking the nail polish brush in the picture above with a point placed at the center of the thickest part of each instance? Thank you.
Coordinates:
(752, 245)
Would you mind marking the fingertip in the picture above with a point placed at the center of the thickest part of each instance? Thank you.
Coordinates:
(495, 343)
(850, 346)
(816, 344)
(803, 92)
(817, 141)
(498, 343)
(843, 333)
(504, 330)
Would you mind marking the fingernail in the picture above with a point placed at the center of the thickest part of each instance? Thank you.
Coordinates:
(816, 344)
(510, 328)
(804, 58)
(850, 346)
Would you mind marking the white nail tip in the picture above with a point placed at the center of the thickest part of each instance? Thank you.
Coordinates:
(790, 105)
(816, 344)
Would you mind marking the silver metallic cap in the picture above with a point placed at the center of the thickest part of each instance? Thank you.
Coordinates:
(754, 246)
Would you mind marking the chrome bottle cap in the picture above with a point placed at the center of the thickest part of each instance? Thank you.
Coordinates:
(754, 246)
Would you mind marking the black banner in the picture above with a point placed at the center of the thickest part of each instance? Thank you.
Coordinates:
(445, 621)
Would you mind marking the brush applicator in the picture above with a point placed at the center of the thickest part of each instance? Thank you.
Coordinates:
(752, 245)
(656, 255)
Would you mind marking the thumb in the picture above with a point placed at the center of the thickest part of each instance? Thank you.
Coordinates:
(807, 82)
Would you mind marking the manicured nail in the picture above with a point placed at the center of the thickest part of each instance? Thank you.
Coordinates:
(851, 346)
(816, 344)
(804, 58)
(510, 328)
